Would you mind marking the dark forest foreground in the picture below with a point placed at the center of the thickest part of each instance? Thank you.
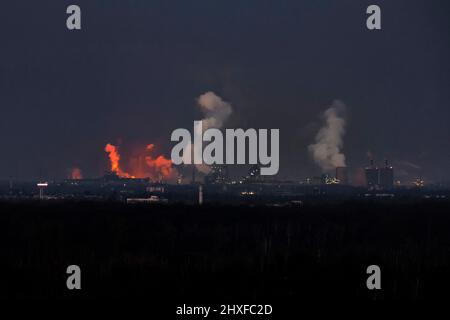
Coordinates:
(214, 254)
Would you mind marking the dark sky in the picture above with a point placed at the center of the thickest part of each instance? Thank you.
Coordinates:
(133, 72)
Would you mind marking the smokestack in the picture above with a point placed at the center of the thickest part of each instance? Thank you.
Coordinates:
(216, 111)
(42, 186)
(326, 152)
(371, 163)
(200, 194)
(341, 175)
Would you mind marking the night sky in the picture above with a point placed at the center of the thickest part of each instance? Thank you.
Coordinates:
(134, 71)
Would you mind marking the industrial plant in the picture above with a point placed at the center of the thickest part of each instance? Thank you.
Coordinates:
(193, 187)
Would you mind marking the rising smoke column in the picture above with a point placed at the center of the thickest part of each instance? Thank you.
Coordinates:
(326, 151)
(216, 111)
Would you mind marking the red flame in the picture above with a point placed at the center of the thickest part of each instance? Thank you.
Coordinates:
(145, 165)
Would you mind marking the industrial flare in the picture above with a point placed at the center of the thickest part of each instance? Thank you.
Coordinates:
(144, 165)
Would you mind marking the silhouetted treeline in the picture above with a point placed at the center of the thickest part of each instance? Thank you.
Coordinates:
(223, 254)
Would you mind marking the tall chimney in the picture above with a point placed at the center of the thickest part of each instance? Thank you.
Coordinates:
(193, 174)
(200, 194)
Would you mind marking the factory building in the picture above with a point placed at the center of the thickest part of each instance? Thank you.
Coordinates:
(372, 175)
(379, 178)
(386, 180)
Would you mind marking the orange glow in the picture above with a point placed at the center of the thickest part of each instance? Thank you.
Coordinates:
(159, 165)
(75, 174)
(144, 165)
(114, 157)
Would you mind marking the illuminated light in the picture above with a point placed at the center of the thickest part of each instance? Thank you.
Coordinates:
(331, 180)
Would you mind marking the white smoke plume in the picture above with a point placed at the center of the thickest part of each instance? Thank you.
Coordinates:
(216, 111)
(327, 149)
